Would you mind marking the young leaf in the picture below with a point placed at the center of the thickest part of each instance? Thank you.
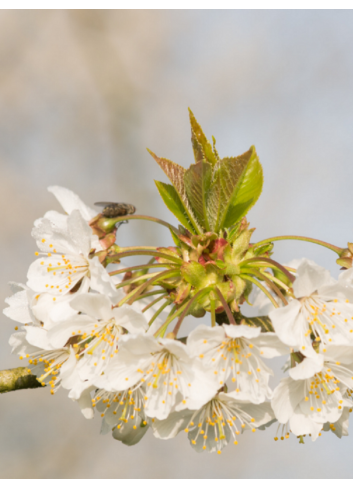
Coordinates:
(201, 146)
(172, 201)
(197, 180)
(247, 186)
(214, 200)
(175, 173)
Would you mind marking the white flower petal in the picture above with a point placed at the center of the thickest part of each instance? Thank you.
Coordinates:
(70, 202)
(286, 398)
(133, 321)
(303, 425)
(85, 404)
(270, 345)
(101, 281)
(128, 435)
(336, 353)
(75, 326)
(204, 335)
(241, 331)
(18, 310)
(172, 425)
(38, 337)
(79, 232)
(307, 368)
(284, 319)
(292, 327)
(97, 306)
(310, 277)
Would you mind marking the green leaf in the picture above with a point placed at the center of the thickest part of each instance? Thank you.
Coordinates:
(175, 173)
(214, 200)
(236, 186)
(197, 180)
(247, 178)
(200, 144)
(174, 235)
(172, 201)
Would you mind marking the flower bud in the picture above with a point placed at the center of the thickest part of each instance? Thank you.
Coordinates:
(346, 257)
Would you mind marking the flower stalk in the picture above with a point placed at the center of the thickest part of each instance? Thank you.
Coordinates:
(329, 246)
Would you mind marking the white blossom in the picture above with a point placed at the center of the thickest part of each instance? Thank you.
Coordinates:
(123, 413)
(235, 352)
(314, 394)
(216, 424)
(55, 367)
(169, 375)
(96, 331)
(320, 310)
(30, 308)
(69, 202)
(66, 263)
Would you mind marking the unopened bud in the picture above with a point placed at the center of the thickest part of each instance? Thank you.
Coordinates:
(171, 336)
(344, 262)
(346, 257)
(108, 240)
(107, 224)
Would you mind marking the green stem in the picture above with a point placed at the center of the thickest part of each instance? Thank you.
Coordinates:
(134, 248)
(151, 304)
(157, 313)
(187, 308)
(177, 313)
(226, 307)
(270, 264)
(136, 279)
(162, 330)
(334, 248)
(140, 267)
(147, 253)
(261, 287)
(154, 292)
(213, 312)
(134, 294)
(272, 286)
(147, 218)
(278, 282)
(268, 276)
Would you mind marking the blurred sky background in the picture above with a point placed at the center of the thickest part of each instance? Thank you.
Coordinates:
(82, 94)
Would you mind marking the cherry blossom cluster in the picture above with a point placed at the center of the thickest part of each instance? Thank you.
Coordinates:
(77, 332)
(109, 334)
